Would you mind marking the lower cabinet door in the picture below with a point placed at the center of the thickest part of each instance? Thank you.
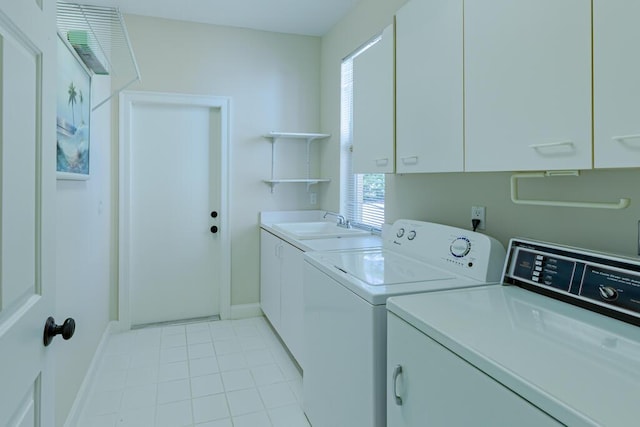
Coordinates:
(428, 385)
(291, 300)
(270, 249)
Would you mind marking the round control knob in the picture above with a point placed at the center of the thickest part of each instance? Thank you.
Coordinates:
(460, 247)
(608, 293)
(400, 232)
(411, 235)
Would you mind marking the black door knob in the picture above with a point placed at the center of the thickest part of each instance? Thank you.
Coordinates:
(214, 229)
(51, 329)
(214, 214)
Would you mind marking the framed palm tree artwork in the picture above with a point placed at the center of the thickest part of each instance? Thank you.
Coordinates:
(73, 94)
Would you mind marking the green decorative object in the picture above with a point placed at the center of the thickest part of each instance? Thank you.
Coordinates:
(80, 42)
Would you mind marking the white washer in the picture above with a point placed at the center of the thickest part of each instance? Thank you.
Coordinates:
(345, 295)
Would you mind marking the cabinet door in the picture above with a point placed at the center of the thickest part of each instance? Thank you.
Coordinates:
(429, 86)
(527, 85)
(438, 388)
(616, 83)
(270, 249)
(291, 300)
(373, 135)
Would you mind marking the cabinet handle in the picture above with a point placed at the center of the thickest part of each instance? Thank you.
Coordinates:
(397, 371)
(382, 162)
(623, 138)
(411, 160)
(551, 144)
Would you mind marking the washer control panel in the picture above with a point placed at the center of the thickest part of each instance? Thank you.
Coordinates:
(472, 254)
(410, 235)
(600, 282)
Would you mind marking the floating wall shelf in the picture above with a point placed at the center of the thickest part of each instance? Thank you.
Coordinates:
(306, 137)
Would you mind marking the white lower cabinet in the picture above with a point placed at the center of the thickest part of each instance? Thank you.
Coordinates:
(291, 300)
(270, 248)
(428, 385)
(281, 290)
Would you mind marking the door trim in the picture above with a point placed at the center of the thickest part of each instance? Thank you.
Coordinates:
(127, 100)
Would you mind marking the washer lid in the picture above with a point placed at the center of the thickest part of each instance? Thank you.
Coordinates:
(378, 267)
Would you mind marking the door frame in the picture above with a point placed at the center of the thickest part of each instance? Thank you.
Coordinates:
(127, 101)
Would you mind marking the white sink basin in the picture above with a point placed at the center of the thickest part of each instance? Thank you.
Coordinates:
(317, 230)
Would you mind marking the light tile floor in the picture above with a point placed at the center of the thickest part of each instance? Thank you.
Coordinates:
(210, 374)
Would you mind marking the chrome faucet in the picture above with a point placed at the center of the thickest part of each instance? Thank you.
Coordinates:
(342, 222)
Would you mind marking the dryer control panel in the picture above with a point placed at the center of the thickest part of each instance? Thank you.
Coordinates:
(600, 282)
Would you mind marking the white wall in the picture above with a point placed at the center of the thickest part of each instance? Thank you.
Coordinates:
(83, 259)
(274, 85)
(448, 198)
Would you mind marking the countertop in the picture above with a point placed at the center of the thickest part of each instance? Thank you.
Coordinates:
(267, 219)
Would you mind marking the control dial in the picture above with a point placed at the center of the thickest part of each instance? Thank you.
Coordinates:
(460, 247)
(608, 293)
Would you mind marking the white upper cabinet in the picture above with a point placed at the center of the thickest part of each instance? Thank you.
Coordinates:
(527, 85)
(429, 86)
(373, 133)
(616, 83)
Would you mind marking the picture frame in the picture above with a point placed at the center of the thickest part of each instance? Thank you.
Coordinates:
(73, 115)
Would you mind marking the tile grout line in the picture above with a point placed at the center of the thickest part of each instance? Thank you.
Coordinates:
(254, 339)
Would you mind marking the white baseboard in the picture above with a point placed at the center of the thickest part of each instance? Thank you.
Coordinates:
(243, 311)
(73, 419)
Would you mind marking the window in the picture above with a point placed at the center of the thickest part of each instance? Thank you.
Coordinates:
(362, 195)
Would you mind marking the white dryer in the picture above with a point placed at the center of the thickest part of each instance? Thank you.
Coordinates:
(345, 295)
(525, 356)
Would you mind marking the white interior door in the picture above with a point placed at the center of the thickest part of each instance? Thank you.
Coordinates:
(27, 192)
(176, 215)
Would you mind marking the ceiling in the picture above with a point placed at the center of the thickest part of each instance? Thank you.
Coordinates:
(308, 17)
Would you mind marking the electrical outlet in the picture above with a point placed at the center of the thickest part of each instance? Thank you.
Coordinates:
(478, 212)
(313, 198)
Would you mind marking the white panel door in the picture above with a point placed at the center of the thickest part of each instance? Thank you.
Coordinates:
(429, 86)
(27, 192)
(373, 107)
(174, 257)
(616, 83)
(527, 85)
